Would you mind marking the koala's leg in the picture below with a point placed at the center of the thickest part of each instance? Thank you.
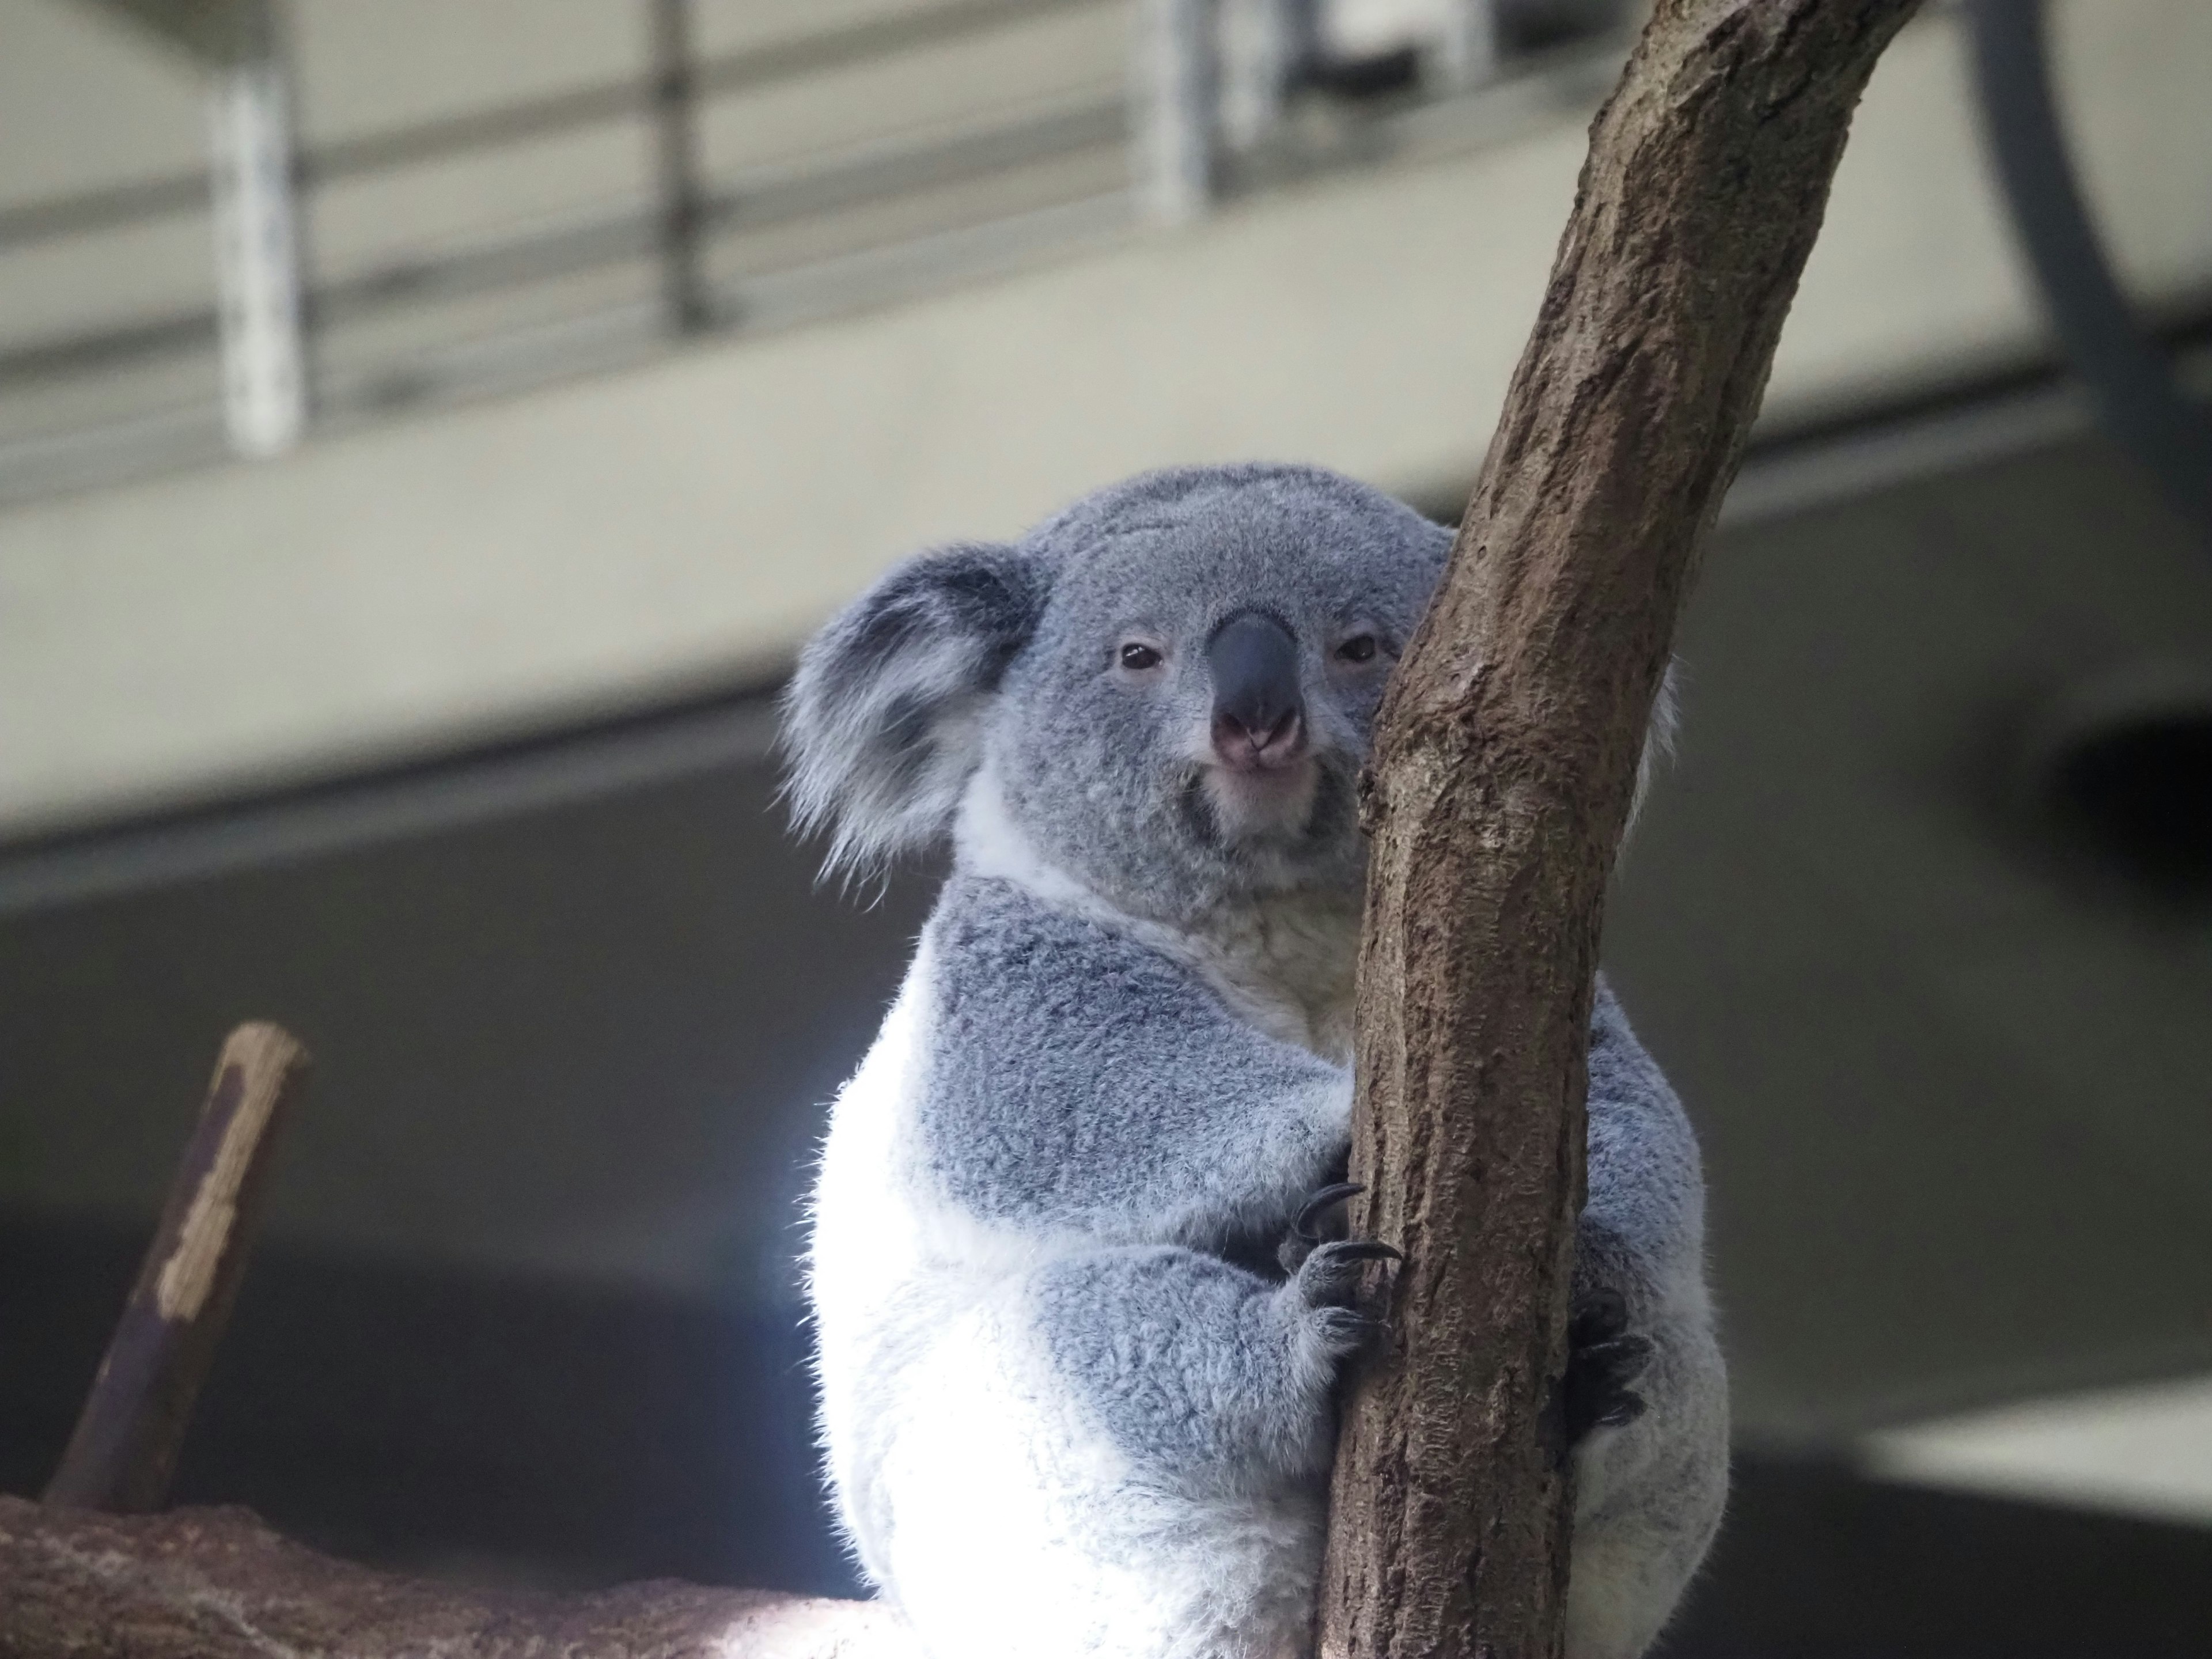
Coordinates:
(1646, 1387)
(1647, 1404)
(1198, 1397)
(1119, 1454)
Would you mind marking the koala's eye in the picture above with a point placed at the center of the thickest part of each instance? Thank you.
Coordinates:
(1136, 656)
(1360, 647)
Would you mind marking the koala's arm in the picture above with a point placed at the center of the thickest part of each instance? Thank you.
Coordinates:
(1649, 1492)
(1202, 1373)
(1083, 1081)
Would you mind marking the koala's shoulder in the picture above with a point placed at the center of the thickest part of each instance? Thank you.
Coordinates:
(1644, 1174)
(1067, 1061)
(1005, 963)
(1622, 1070)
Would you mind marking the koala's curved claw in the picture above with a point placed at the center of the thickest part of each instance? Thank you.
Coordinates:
(1623, 1353)
(1365, 1249)
(1622, 1412)
(1322, 1200)
(1331, 1275)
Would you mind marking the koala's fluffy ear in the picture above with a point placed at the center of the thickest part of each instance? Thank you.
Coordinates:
(883, 723)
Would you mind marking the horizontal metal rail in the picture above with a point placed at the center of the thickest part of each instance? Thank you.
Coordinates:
(719, 265)
(526, 119)
(774, 199)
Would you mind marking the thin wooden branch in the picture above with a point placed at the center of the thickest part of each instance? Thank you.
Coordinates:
(1504, 763)
(217, 1584)
(124, 1447)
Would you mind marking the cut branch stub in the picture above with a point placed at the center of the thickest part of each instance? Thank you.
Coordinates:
(1504, 763)
(124, 1447)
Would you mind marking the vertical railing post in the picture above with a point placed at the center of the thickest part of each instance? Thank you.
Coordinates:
(1467, 51)
(1173, 108)
(684, 289)
(1260, 43)
(257, 253)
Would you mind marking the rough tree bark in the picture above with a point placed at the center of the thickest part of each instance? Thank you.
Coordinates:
(1502, 778)
(210, 1583)
(1504, 764)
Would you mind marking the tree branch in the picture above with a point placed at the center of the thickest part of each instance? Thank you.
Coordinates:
(1504, 763)
(124, 1447)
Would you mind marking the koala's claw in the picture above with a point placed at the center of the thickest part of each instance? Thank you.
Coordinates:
(1331, 1276)
(1322, 1200)
(1305, 1233)
(1361, 1249)
(1340, 1308)
(1602, 1359)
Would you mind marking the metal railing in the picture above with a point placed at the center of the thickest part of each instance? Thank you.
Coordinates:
(1204, 100)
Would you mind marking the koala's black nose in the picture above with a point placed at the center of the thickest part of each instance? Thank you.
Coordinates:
(1257, 706)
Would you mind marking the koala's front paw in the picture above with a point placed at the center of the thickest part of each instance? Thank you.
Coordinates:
(1602, 1359)
(1331, 1284)
(1328, 1277)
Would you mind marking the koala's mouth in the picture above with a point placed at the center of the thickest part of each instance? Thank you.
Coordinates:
(1310, 822)
(1261, 803)
(1246, 806)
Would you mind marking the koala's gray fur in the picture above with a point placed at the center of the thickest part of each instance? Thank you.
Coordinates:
(1071, 1404)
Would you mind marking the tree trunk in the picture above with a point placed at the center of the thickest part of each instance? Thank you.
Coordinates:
(1505, 762)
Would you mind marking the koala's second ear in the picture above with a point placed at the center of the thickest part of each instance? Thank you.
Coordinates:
(882, 726)
(1658, 738)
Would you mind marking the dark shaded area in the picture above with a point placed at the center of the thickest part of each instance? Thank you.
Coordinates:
(501, 1429)
(2136, 797)
(524, 1431)
(589, 1042)
(1951, 1092)
(1384, 74)
(1813, 1562)
(1537, 25)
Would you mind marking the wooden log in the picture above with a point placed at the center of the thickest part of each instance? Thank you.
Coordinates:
(210, 1583)
(124, 1447)
(1504, 763)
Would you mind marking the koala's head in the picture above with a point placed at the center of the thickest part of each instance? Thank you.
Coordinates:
(1164, 692)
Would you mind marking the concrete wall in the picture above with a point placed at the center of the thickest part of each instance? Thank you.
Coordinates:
(399, 588)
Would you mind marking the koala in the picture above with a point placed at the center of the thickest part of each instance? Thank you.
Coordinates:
(1076, 1264)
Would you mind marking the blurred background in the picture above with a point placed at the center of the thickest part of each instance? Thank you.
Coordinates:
(428, 429)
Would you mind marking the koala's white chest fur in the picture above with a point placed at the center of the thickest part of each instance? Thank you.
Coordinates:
(1285, 964)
